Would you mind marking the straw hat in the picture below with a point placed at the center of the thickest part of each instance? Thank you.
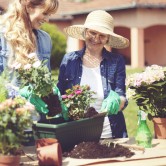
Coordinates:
(102, 22)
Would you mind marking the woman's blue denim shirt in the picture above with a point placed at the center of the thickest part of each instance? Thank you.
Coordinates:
(44, 47)
(113, 74)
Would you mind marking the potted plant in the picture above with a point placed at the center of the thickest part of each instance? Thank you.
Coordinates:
(78, 100)
(15, 117)
(36, 75)
(84, 123)
(148, 90)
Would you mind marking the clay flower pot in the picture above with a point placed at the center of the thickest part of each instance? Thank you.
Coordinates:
(49, 152)
(160, 127)
(9, 160)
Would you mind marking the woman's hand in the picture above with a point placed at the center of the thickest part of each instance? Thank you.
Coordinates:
(111, 104)
(63, 106)
(39, 104)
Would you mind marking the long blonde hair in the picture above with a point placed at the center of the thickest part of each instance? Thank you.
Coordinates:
(18, 28)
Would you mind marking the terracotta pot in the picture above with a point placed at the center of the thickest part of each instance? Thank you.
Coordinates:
(9, 160)
(45, 141)
(160, 128)
(49, 152)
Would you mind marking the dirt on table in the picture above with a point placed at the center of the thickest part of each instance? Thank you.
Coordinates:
(95, 150)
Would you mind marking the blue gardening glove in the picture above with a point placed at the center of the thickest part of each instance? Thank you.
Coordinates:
(39, 104)
(111, 104)
(64, 108)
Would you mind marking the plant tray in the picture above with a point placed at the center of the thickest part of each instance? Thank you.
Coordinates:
(71, 133)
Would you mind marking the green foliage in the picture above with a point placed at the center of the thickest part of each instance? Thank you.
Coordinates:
(77, 100)
(58, 44)
(3, 90)
(148, 90)
(131, 110)
(14, 119)
(36, 74)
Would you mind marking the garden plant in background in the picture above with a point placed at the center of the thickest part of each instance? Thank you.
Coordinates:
(15, 117)
(77, 100)
(148, 90)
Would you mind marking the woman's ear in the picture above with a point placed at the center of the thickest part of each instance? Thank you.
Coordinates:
(84, 33)
(109, 38)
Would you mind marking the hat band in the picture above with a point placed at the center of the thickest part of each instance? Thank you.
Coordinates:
(98, 27)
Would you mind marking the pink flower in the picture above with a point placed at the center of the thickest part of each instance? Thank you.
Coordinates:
(20, 111)
(70, 96)
(64, 96)
(78, 92)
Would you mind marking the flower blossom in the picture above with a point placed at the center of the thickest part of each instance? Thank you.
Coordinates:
(27, 66)
(36, 64)
(16, 65)
(78, 92)
(20, 111)
(32, 55)
(64, 96)
(70, 96)
(130, 93)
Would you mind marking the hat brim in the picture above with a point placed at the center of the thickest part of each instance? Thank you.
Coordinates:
(115, 41)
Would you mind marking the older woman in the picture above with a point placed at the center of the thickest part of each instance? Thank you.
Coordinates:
(104, 71)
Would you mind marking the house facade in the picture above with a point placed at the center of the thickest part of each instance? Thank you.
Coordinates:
(143, 22)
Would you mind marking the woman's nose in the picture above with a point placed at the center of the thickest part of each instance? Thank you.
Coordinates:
(97, 37)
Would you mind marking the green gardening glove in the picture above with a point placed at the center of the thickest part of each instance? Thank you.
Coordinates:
(64, 108)
(56, 91)
(39, 104)
(111, 104)
(64, 111)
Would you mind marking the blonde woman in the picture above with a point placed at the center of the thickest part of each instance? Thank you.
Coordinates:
(21, 35)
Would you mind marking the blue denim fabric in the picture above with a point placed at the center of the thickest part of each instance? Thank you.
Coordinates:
(113, 74)
(44, 45)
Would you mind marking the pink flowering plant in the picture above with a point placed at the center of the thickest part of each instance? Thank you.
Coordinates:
(36, 74)
(15, 117)
(148, 89)
(78, 100)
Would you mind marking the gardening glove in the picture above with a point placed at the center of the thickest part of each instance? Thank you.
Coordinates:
(39, 104)
(64, 108)
(111, 104)
(64, 111)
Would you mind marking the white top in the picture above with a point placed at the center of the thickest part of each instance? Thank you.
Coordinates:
(92, 77)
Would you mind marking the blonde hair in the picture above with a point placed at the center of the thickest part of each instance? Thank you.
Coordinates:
(18, 28)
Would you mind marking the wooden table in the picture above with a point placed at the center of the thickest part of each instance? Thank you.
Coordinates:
(155, 156)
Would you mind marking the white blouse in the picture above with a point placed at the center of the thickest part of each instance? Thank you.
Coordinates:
(92, 77)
